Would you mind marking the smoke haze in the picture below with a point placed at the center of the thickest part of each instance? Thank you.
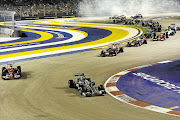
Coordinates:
(126, 7)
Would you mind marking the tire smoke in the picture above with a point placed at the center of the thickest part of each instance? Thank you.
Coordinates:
(126, 7)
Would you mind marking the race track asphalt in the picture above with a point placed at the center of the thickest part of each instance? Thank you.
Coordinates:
(43, 93)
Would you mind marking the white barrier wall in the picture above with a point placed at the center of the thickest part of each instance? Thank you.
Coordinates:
(6, 31)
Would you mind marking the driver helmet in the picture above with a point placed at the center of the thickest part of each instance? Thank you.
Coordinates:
(11, 66)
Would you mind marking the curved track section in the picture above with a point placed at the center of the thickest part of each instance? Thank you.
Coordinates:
(45, 41)
(154, 87)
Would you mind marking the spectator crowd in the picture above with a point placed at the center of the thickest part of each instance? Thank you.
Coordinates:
(30, 8)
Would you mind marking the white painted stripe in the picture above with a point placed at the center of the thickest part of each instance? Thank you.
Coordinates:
(51, 52)
(6, 39)
(132, 31)
(143, 66)
(76, 37)
(168, 61)
(113, 80)
(123, 72)
(125, 98)
(157, 109)
(113, 88)
(66, 50)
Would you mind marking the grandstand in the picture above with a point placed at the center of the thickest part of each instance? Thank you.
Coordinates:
(39, 8)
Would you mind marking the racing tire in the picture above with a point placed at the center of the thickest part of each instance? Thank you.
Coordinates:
(101, 87)
(71, 84)
(19, 68)
(3, 68)
(102, 54)
(121, 50)
(145, 42)
(4, 72)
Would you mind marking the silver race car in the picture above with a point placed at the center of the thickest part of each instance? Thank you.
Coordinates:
(85, 86)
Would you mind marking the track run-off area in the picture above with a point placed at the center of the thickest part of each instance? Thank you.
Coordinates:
(45, 41)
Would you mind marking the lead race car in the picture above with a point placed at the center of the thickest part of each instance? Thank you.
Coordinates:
(112, 50)
(85, 86)
(137, 16)
(10, 72)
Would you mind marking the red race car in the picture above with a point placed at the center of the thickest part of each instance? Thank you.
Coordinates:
(137, 16)
(112, 50)
(10, 72)
(160, 37)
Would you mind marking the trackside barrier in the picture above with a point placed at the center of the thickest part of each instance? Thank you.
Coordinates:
(12, 33)
(7, 31)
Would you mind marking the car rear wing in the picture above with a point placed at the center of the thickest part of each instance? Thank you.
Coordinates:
(79, 74)
(10, 63)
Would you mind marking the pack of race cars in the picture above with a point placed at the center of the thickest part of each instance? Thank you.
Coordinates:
(84, 85)
(168, 32)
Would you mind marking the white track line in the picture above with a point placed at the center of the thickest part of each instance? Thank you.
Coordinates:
(132, 34)
(6, 39)
(76, 36)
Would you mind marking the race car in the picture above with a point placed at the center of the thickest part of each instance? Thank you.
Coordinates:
(112, 50)
(147, 23)
(170, 32)
(149, 34)
(119, 19)
(143, 39)
(130, 22)
(10, 72)
(173, 27)
(138, 42)
(137, 16)
(114, 17)
(160, 37)
(85, 86)
(156, 27)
